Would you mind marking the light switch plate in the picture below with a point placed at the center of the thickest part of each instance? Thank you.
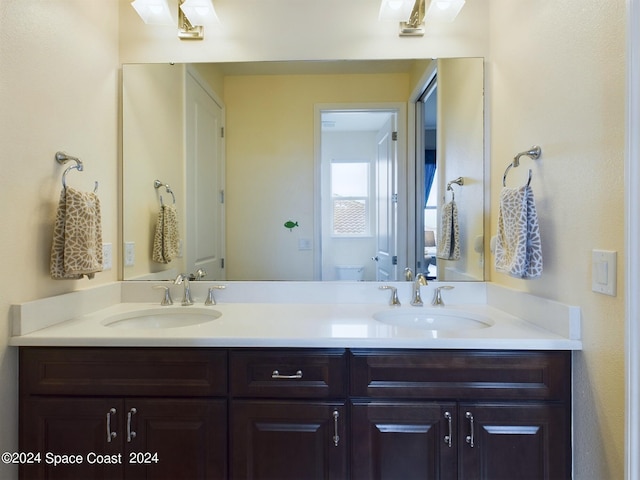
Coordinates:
(129, 254)
(604, 271)
(107, 256)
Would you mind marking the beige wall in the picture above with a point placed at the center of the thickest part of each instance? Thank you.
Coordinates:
(556, 79)
(58, 91)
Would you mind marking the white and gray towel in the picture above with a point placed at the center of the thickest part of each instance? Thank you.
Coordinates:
(518, 244)
(449, 244)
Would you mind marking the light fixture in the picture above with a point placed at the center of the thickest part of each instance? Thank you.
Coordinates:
(153, 12)
(395, 9)
(414, 26)
(444, 10)
(411, 13)
(193, 15)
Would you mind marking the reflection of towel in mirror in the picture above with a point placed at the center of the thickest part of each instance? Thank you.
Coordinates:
(449, 245)
(166, 238)
(77, 236)
(518, 244)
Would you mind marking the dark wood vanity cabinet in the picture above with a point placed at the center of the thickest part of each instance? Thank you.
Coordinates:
(299, 414)
(288, 414)
(461, 415)
(114, 413)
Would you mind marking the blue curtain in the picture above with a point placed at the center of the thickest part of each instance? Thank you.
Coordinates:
(429, 172)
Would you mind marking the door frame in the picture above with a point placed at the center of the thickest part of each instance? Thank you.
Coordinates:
(402, 161)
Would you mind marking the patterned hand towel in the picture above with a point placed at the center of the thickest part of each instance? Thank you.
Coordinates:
(77, 236)
(518, 245)
(449, 244)
(166, 238)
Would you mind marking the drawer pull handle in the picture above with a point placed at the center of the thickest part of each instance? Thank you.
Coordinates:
(336, 437)
(130, 433)
(110, 435)
(470, 438)
(276, 375)
(448, 438)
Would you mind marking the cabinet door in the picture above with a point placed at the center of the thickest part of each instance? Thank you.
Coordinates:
(507, 441)
(288, 440)
(79, 434)
(175, 439)
(403, 440)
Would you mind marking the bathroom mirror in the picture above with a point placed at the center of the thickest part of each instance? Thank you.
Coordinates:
(235, 151)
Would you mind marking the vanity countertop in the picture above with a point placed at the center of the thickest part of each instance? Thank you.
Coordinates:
(297, 325)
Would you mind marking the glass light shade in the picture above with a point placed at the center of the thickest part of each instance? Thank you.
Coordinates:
(153, 12)
(199, 12)
(399, 10)
(444, 10)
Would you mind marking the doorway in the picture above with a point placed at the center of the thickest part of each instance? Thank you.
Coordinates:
(357, 195)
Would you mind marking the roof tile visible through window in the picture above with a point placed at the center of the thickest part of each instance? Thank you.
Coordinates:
(349, 217)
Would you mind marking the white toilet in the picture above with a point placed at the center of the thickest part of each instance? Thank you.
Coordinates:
(352, 273)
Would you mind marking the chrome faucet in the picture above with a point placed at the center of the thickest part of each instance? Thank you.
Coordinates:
(437, 296)
(183, 278)
(211, 300)
(394, 301)
(416, 299)
(199, 275)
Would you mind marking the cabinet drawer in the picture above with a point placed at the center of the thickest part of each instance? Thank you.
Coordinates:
(438, 374)
(295, 373)
(123, 371)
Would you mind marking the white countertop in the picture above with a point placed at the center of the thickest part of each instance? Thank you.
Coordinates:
(344, 325)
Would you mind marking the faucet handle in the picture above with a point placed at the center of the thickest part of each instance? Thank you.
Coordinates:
(408, 274)
(166, 299)
(394, 295)
(210, 298)
(437, 295)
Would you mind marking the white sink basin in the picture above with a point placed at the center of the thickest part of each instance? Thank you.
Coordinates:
(432, 319)
(162, 317)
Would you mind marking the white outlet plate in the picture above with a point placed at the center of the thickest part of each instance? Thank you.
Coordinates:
(129, 254)
(604, 271)
(107, 256)
(304, 244)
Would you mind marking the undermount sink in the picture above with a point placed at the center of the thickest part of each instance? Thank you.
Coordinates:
(432, 319)
(162, 317)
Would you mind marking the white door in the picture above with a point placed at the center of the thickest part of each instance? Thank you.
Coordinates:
(386, 268)
(204, 243)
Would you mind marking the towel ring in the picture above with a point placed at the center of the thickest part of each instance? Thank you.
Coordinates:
(533, 153)
(63, 158)
(457, 181)
(157, 184)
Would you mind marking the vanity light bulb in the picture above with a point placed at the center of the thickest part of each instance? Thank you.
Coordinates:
(153, 12)
(444, 10)
(199, 12)
(398, 10)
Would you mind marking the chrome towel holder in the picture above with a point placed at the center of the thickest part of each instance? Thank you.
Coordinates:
(62, 158)
(458, 181)
(157, 184)
(533, 153)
